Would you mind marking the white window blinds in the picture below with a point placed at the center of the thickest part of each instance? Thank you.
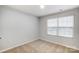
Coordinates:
(61, 26)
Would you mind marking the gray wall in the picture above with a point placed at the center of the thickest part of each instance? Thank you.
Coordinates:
(69, 42)
(16, 27)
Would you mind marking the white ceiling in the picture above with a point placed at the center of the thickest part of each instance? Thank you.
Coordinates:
(37, 11)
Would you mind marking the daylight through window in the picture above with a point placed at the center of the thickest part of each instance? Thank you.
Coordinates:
(61, 26)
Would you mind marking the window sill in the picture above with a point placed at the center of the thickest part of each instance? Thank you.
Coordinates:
(61, 36)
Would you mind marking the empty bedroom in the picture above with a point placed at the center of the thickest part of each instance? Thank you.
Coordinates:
(39, 28)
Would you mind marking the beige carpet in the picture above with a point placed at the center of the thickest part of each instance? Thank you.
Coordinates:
(40, 46)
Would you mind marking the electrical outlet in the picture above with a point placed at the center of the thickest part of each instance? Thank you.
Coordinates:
(0, 37)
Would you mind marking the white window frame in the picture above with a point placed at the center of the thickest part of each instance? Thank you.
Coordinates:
(57, 31)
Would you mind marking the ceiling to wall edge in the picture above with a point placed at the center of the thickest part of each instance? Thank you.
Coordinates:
(19, 11)
(58, 12)
(40, 16)
(22, 12)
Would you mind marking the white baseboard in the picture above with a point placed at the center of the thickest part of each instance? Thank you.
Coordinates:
(37, 39)
(61, 44)
(17, 45)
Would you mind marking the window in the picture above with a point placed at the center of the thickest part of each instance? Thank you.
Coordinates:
(61, 26)
(52, 26)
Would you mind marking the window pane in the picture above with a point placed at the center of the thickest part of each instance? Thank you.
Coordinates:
(52, 22)
(52, 30)
(52, 26)
(66, 21)
(66, 32)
